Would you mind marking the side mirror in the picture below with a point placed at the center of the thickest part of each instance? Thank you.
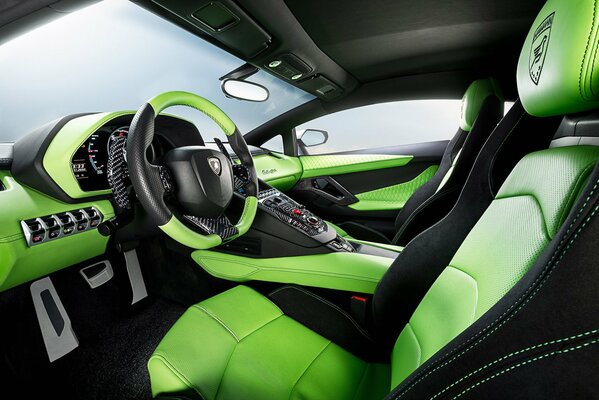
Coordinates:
(244, 90)
(313, 137)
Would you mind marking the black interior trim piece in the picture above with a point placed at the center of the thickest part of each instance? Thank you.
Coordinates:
(328, 320)
(27, 166)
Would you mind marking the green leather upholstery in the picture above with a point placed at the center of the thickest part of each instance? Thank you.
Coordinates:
(239, 345)
(473, 100)
(556, 70)
(524, 217)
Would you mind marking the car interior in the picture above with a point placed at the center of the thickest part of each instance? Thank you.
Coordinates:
(233, 199)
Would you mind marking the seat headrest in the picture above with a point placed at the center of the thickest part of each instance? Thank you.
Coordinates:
(473, 100)
(556, 70)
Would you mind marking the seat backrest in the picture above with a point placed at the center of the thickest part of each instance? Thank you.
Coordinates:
(555, 77)
(482, 108)
(424, 258)
(519, 223)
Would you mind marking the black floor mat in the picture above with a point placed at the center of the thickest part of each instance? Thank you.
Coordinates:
(111, 363)
(115, 341)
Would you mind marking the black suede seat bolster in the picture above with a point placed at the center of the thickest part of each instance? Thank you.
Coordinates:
(421, 213)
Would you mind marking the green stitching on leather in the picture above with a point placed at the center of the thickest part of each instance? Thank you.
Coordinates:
(530, 361)
(419, 375)
(513, 354)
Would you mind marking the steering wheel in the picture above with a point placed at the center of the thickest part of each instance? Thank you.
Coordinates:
(198, 179)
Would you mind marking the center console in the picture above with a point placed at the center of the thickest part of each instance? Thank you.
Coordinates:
(297, 216)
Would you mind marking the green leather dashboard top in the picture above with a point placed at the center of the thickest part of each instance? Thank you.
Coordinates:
(530, 207)
(337, 164)
(392, 197)
(343, 271)
(20, 263)
(278, 170)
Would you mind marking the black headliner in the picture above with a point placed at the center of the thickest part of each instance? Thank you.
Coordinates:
(377, 39)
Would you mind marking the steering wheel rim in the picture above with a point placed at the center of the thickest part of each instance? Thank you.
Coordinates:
(151, 183)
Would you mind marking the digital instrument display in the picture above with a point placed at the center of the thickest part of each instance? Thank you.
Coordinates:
(89, 161)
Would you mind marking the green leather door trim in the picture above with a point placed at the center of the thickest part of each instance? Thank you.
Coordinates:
(530, 207)
(337, 164)
(240, 345)
(392, 197)
(278, 170)
(57, 160)
(342, 271)
(19, 263)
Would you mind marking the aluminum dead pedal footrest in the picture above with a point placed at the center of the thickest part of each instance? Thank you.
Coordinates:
(55, 325)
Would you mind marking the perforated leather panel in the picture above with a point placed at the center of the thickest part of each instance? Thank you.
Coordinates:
(530, 207)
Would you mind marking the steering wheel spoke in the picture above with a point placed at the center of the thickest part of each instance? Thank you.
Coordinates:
(220, 226)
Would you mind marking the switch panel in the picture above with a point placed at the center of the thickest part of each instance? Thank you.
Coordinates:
(50, 227)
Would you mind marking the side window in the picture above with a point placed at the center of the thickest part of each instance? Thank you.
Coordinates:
(386, 124)
(274, 144)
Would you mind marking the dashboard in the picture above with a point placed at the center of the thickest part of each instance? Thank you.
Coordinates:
(90, 161)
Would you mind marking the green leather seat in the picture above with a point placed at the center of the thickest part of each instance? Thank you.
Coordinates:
(223, 350)
(482, 108)
(239, 345)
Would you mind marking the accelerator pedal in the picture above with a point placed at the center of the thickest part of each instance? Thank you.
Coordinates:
(136, 279)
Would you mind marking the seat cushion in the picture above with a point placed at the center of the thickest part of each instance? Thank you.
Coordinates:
(239, 345)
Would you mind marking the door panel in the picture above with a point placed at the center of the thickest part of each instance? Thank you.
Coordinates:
(338, 164)
(366, 186)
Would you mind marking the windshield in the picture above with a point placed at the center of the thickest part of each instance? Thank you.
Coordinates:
(115, 55)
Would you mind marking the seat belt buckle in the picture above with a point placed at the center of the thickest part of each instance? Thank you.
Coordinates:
(359, 308)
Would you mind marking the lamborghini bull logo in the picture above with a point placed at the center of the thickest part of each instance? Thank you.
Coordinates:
(538, 48)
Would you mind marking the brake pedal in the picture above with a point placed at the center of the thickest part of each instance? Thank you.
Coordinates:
(55, 324)
(97, 274)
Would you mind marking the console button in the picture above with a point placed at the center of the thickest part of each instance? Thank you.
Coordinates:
(312, 220)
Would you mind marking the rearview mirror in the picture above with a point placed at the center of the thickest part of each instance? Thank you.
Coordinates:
(313, 137)
(244, 90)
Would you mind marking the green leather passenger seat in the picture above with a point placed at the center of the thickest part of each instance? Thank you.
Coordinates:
(482, 108)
